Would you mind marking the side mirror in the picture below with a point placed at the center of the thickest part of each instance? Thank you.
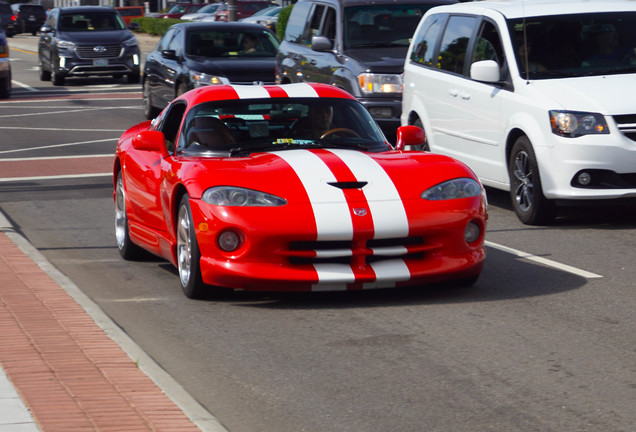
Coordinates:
(410, 136)
(485, 71)
(169, 54)
(46, 29)
(149, 140)
(134, 26)
(320, 43)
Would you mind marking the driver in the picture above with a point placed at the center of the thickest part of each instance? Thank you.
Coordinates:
(317, 122)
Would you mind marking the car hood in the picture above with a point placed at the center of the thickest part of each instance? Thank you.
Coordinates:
(96, 37)
(237, 70)
(386, 60)
(608, 94)
(320, 176)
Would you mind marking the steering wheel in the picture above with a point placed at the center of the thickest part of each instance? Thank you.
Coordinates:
(339, 130)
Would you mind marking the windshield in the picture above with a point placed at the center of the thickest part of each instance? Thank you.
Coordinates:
(381, 25)
(98, 21)
(241, 127)
(212, 44)
(211, 8)
(575, 45)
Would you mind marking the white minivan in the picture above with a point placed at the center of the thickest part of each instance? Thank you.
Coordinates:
(537, 96)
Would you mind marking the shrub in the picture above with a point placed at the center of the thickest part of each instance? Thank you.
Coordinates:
(281, 23)
(155, 26)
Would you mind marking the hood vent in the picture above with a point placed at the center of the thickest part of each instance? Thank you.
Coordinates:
(348, 185)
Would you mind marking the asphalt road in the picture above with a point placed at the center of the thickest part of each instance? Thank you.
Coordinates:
(544, 341)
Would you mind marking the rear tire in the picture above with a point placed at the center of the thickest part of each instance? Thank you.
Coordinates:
(526, 193)
(150, 112)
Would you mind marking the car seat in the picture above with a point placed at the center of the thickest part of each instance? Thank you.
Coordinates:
(212, 133)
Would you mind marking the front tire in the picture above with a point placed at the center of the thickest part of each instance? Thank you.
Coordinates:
(57, 78)
(127, 249)
(423, 147)
(44, 74)
(526, 193)
(150, 112)
(188, 254)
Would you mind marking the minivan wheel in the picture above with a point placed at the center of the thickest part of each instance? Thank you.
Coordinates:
(419, 124)
(133, 78)
(526, 193)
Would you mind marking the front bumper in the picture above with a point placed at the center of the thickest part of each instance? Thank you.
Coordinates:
(280, 251)
(116, 60)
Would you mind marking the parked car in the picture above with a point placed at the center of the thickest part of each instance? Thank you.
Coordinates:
(7, 19)
(244, 9)
(243, 199)
(197, 54)
(206, 12)
(30, 17)
(355, 45)
(537, 97)
(5, 67)
(180, 9)
(87, 40)
(130, 12)
(266, 17)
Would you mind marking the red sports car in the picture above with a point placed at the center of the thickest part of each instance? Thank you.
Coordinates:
(293, 187)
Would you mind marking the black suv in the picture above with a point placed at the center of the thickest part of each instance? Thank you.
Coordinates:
(7, 19)
(30, 17)
(358, 45)
(87, 40)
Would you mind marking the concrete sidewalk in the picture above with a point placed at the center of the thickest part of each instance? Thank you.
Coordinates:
(65, 366)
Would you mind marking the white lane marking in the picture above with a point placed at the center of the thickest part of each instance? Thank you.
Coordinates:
(67, 111)
(56, 145)
(55, 157)
(544, 261)
(59, 177)
(329, 204)
(24, 86)
(387, 209)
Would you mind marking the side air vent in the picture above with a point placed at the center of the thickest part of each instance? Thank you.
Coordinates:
(348, 185)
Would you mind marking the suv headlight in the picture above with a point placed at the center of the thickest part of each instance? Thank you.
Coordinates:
(453, 189)
(130, 43)
(380, 83)
(572, 124)
(241, 197)
(202, 79)
(64, 44)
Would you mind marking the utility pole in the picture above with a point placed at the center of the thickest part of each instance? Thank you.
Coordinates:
(231, 10)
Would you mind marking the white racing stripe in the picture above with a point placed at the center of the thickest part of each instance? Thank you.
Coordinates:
(387, 210)
(331, 211)
(250, 92)
(299, 90)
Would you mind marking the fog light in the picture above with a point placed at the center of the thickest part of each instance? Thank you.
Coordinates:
(472, 232)
(584, 179)
(229, 241)
(381, 112)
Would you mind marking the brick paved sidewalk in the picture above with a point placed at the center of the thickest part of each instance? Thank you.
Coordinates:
(67, 370)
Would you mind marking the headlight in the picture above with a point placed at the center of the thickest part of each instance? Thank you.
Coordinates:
(380, 83)
(65, 44)
(201, 79)
(453, 189)
(235, 196)
(574, 124)
(130, 43)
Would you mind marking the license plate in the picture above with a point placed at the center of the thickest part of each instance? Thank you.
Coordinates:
(100, 62)
(31, 18)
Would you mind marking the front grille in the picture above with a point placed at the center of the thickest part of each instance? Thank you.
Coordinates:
(358, 252)
(90, 52)
(627, 125)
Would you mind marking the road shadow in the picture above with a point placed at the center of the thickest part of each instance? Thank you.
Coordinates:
(599, 214)
(505, 277)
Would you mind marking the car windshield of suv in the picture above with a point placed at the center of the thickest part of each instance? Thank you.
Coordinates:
(381, 25)
(213, 44)
(93, 21)
(575, 45)
(240, 127)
